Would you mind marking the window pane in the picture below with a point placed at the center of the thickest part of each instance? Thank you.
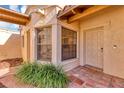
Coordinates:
(69, 44)
(44, 44)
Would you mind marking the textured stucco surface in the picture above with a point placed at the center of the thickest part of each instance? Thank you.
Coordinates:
(11, 48)
(112, 20)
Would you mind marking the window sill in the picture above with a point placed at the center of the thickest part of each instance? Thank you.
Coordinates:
(69, 61)
(43, 62)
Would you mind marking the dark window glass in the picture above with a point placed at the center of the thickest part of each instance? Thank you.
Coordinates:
(69, 44)
(44, 44)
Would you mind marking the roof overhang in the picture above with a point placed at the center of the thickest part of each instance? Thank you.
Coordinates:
(13, 17)
(77, 12)
(71, 10)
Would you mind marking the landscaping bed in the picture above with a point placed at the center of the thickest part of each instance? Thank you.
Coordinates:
(13, 62)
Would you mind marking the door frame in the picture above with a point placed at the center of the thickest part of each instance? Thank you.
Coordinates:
(84, 42)
(107, 30)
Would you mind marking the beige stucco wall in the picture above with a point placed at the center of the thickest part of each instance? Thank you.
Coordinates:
(37, 21)
(35, 17)
(112, 19)
(11, 48)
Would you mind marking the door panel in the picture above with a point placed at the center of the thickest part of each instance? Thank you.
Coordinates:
(94, 47)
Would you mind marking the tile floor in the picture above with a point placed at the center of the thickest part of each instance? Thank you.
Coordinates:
(90, 77)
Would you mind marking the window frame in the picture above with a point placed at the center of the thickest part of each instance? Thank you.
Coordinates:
(76, 44)
(36, 43)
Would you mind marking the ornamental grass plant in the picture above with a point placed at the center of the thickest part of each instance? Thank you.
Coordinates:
(43, 76)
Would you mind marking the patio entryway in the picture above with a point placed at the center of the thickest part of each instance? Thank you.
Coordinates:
(80, 77)
(90, 77)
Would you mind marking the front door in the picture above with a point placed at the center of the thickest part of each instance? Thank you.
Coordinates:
(94, 47)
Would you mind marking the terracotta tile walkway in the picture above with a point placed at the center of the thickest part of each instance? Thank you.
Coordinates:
(7, 71)
(80, 77)
(90, 77)
(2, 86)
(10, 81)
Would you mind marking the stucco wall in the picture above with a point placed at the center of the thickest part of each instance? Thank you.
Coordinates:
(35, 17)
(37, 21)
(12, 48)
(112, 19)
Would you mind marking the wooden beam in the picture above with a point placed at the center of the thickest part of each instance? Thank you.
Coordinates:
(73, 11)
(68, 10)
(87, 12)
(14, 20)
(12, 12)
(13, 17)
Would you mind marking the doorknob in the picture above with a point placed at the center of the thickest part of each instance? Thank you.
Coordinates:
(101, 49)
(114, 46)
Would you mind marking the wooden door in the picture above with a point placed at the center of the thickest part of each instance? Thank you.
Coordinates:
(94, 47)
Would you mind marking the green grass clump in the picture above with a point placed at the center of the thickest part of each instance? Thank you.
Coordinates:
(47, 75)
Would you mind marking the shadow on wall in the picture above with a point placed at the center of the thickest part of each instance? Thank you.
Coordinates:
(11, 46)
